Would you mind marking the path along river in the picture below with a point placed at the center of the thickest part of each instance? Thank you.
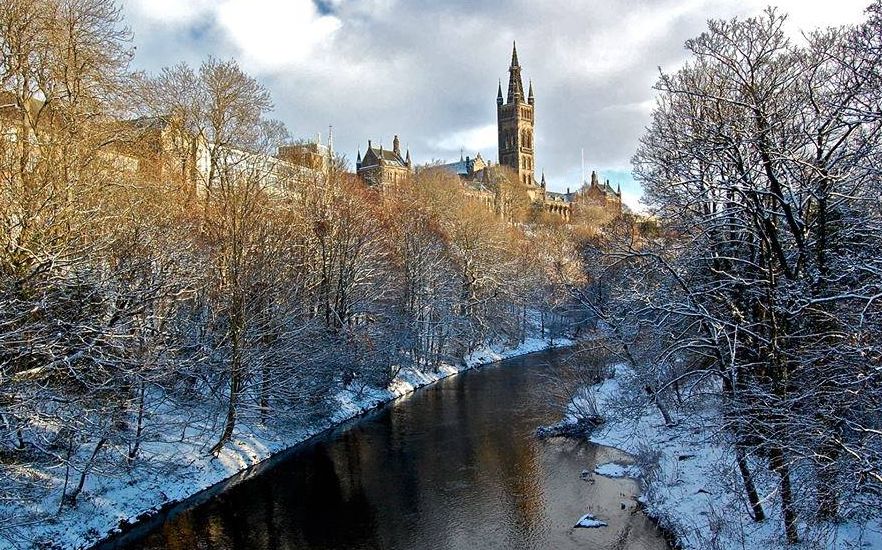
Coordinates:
(455, 465)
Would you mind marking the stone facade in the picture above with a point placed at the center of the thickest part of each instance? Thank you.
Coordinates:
(382, 167)
(601, 194)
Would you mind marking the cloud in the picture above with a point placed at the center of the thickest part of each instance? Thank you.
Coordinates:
(472, 140)
(274, 34)
(428, 70)
(171, 11)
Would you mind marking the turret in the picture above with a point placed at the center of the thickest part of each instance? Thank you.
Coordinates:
(499, 94)
(358, 159)
(543, 179)
(407, 160)
(530, 99)
(396, 145)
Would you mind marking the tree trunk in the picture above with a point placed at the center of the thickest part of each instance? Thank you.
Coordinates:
(139, 428)
(752, 496)
(264, 392)
(72, 497)
(787, 505)
(669, 421)
(235, 386)
(828, 498)
(230, 422)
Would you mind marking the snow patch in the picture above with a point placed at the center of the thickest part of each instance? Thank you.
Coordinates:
(590, 522)
(615, 470)
(691, 485)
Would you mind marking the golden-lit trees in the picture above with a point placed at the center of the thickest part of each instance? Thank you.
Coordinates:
(512, 201)
(224, 113)
(64, 312)
(166, 280)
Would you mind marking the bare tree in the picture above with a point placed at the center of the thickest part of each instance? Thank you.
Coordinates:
(758, 164)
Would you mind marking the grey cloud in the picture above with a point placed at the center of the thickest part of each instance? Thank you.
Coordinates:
(425, 70)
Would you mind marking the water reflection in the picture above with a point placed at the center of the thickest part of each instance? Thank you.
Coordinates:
(455, 466)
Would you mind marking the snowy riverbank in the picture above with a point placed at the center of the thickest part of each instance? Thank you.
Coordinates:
(185, 470)
(691, 485)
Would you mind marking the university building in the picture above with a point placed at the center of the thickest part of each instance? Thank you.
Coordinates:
(515, 119)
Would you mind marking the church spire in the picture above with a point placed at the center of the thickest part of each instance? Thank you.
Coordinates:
(530, 98)
(515, 84)
(499, 93)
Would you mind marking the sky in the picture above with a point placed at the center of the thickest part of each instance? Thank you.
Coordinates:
(427, 70)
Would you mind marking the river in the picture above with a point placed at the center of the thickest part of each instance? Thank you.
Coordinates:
(455, 465)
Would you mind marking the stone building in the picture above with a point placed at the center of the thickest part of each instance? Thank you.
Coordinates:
(601, 194)
(515, 114)
(159, 149)
(384, 167)
(515, 120)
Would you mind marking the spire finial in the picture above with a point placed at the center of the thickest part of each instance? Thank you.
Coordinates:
(514, 54)
(499, 93)
(530, 98)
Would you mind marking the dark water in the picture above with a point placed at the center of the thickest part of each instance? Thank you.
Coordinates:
(455, 465)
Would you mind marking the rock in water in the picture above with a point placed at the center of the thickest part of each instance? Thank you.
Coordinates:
(590, 522)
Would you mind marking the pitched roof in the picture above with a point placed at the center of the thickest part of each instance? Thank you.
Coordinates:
(464, 166)
(563, 197)
(388, 156)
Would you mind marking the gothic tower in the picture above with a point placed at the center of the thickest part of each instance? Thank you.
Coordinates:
(515, 124)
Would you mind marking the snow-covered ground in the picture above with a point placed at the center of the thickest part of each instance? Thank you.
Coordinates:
(180, 469)
(691, 485)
